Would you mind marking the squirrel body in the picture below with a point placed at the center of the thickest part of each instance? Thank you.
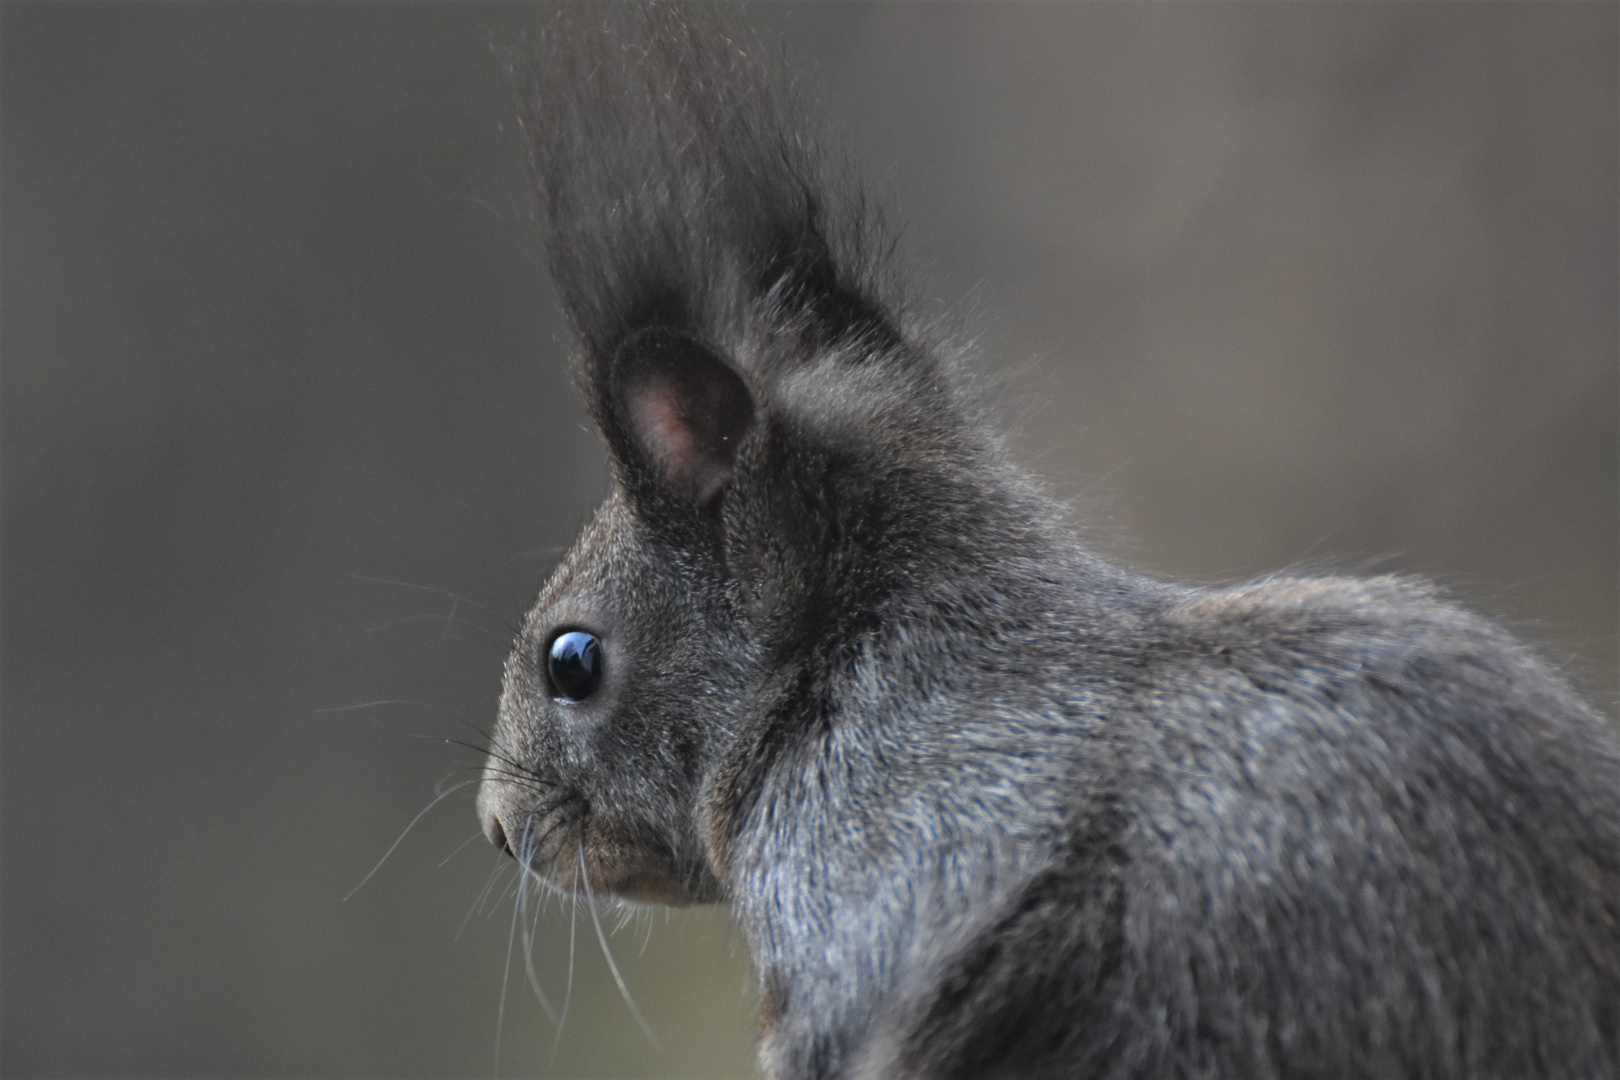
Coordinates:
(983, 803)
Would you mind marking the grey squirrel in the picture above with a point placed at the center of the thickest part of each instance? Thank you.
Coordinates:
(984, 804)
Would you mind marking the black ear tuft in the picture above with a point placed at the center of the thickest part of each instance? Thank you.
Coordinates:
(686, 409)
(682, 185)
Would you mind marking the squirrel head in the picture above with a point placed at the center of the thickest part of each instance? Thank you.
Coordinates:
(786, 455)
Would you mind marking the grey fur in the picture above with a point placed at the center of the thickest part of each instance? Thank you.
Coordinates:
(983, 803)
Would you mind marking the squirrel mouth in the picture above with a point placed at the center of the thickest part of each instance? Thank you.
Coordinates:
(547, 842)
(568, 850)
(557, 836)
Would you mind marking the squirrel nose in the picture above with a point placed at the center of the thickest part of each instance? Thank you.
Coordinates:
(496, 834)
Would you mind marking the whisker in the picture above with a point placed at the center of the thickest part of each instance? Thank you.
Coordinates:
(483, 894)
(528, 966)
(448, 620)
(646, 941)
(526, 783)
(573, 936)
(447, 778)
(518, 771)
(506, 974)
(437, 799)
(477, 834)
(372, 705)
(475, 748)
(493, 749)
(441, 592)
(607, 953)
(468, 724)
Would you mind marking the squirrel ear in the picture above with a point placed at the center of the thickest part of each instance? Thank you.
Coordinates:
(686, 409)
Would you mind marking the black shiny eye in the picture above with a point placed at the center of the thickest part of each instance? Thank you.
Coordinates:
(575, 664)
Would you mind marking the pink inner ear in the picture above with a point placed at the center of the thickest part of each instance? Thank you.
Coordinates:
(686, 409)
(660, 416)
(655, 409)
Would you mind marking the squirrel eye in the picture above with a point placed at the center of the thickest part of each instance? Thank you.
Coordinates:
(574, 663)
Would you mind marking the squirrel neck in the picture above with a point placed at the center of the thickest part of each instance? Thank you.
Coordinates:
(853, 833)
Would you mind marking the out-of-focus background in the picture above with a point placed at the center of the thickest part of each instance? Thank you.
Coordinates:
(286, 432)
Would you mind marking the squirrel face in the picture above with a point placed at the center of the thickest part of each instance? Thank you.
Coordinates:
(626, 671)
(614, 697)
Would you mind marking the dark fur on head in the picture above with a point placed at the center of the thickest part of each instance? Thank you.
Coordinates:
(679, 189)
(984, 804)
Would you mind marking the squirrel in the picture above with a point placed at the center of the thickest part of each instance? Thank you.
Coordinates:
(983, 803)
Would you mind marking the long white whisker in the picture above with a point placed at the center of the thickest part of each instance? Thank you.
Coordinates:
(372, 705)
(441, 592)
(529, 935)
(477, 833)
(506, 974)
(483, 894)
(573, 936)
(607, 953)
(525, 851)
(437, 799)
(447, 620)
(646, 941)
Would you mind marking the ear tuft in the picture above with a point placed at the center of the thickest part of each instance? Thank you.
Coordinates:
(687, 410)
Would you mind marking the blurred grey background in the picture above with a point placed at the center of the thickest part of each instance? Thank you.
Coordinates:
(286, 431)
